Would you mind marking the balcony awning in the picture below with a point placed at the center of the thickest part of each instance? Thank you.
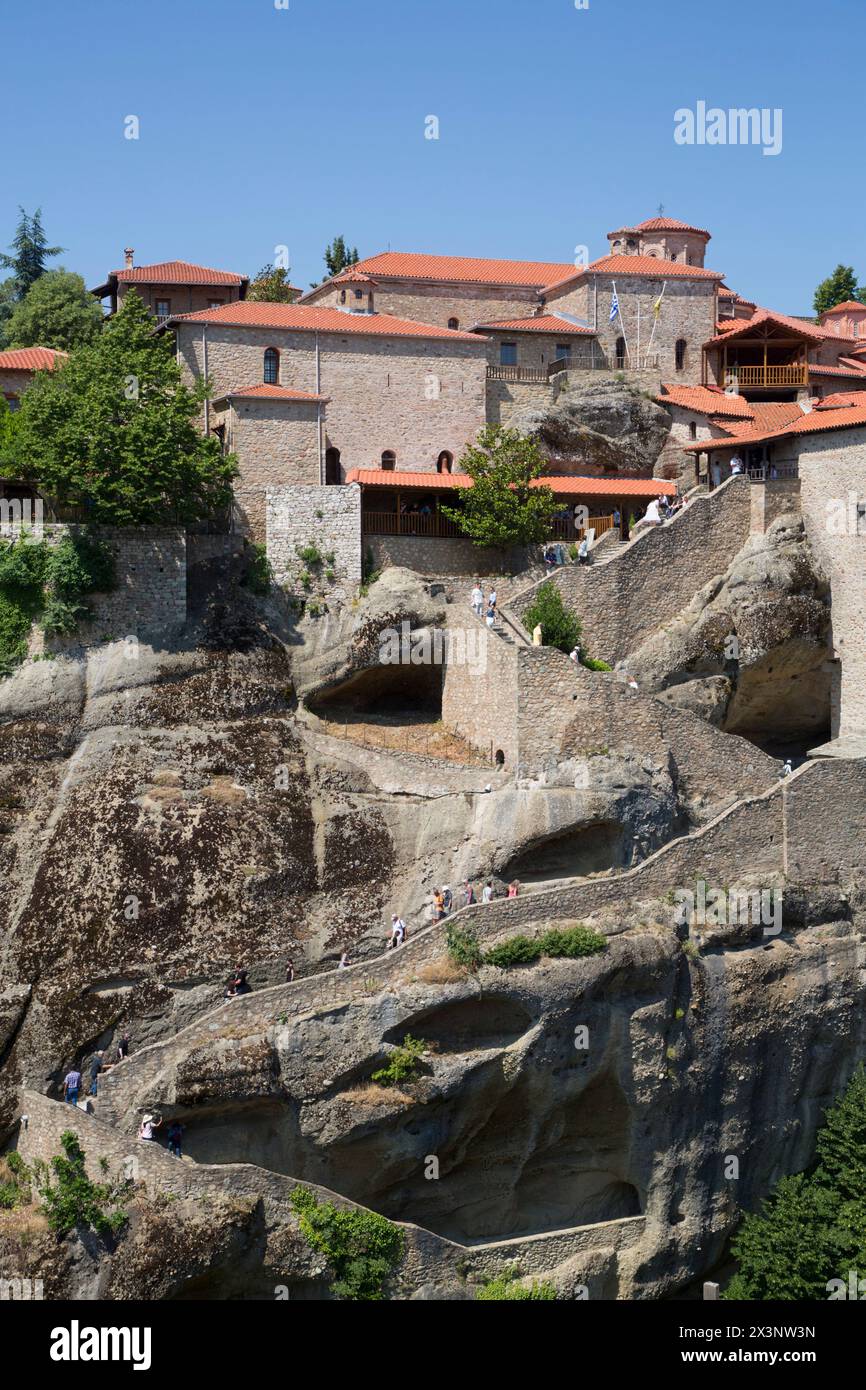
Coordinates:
(563, 485)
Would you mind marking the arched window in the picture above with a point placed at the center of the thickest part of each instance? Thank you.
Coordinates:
(620, 352)
(389, 460)
(445, 462)
(454, 323)
(370, 302)
(342, 296)
(272, 367)
(693, 430)
(680, 354)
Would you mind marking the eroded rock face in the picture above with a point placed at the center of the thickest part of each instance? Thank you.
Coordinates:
(599, 427)
(537, 1126)
(749, 652)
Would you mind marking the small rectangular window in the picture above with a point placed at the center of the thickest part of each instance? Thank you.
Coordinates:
(562, 350)
(163, 308)
(508, 354)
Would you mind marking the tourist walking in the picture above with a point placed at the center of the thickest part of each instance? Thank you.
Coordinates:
(174, 1138)
(491, 600)
(71, 1086)
(476, 598)
(398, 932)
(468, 894)
(290, 971)
(513, 889)
(447, 898)
(490, 615)
(344, 961)
(123, 1047)
(487, 892)
(148, 1124)
(438, 905)
(788, 768)
(95, 1069)
(583, 552)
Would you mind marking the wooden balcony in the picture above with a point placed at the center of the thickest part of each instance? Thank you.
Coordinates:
(436, 526)
(792, 374)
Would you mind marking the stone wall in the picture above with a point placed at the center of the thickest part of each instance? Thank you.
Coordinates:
(13, 384)
(149, 598)
(832, 484)
(790, 829)
(480, 697)
(413, 396)
(435, 557)
(438, 303)
(771, 500)
(621, 603)
(327, 517)
(183, 299)
(505, 399)
(688, 311)
(277, 443)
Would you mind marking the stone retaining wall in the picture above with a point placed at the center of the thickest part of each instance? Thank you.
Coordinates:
(326, 517)
(650, 582)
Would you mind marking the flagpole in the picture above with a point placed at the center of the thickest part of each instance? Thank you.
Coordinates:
(621, 321)
(656, 315)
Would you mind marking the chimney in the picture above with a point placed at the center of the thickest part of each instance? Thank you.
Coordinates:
(129, 257)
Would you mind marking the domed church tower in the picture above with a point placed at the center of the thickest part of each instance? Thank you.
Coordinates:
(665, 237)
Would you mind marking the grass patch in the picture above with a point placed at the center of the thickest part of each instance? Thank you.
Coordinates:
(506, 1287)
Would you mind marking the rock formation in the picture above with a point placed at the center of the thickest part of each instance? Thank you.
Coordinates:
(599, 427)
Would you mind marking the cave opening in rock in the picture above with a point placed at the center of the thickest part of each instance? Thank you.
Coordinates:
(573, 853)
(392, 693)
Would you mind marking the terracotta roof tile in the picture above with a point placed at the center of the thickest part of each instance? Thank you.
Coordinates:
(303, 318)
(670, 224)
(402, 265)
(706, 400)
(768, 316)
(653, 266)
(814, 422)
(32, 359)
(177, 273)
(540, 323)
(846, 366)
(845, 308)
(562, 485)
(267, 392)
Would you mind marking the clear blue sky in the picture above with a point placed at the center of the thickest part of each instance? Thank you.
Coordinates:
(262, 126)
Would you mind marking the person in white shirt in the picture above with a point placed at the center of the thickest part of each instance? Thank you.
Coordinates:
(476, 598)
(398, 931)
(487, 892)
(736, 466)
(651, 517)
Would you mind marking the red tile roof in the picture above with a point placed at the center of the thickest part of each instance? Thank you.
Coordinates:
(540, 323)
(653, 266)
(353, 276)
(562, 485)
(846, 366)
(768, 316)
(177, 273)
(32, 359)
(402, 265)
(845, 308)
(301, 318)
(815, 422)
(840, 400)
(706, 400)
(271, 393)
(767, 419)
(669, 224)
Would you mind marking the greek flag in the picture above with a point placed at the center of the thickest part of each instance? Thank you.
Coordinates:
(614, 306)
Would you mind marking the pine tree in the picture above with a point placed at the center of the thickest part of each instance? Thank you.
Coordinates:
(272, 286)
(338, 256)
(838, 288)
(30, 251)
(115, 429)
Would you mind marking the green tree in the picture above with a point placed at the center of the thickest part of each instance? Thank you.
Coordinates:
(338, 256)
(272, 286)
(560, 627)
(838, 288)
(813, 1227)
(7, 304)
(57, 311)
(115, 430)
(503, 507)
(30, 251)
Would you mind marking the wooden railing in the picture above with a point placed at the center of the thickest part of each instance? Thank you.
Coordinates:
(790, 375)
(772, 472)
(441, 527)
